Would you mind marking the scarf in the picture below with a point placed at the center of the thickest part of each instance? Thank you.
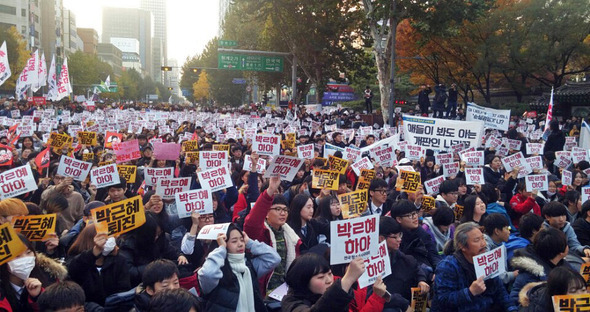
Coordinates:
(468, 268)
(238, 266)
(439, 237)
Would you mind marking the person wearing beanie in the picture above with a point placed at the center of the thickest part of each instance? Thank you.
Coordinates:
(12, 207)
(267, 223)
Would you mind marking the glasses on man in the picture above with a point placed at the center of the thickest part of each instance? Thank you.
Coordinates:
(412, 215)
(206, 217)
(382, 191)
(281, 209)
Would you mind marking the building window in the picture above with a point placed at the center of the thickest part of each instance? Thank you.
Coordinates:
(24, 30)
(23, 12)
(7, 9)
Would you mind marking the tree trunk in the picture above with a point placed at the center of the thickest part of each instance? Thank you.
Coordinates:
(382, 76)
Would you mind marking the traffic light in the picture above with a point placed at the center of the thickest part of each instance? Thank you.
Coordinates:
(167, 68)
(170, 88)
(196, 70)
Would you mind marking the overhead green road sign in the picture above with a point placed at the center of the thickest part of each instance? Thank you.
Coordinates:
(250, 62)
(227, 43)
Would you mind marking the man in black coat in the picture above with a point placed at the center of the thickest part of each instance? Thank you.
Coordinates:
(556, 139)
(423, 100)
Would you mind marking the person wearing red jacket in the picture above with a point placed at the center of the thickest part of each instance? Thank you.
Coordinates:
(266, 223)
(523, 202)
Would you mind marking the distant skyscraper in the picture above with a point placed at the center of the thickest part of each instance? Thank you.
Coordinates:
(130, 23)
(223, 9)
(25, 16)
(160, 37)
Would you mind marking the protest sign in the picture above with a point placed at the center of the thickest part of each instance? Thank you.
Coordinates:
(212, 159)
(199, 201)
(210, 232)
(513, 144)
(105, 176)
(441, 134)
(428, 203)
(71, 167)
(279, 292)
(10, 244)
(87, 138)
(493, 142)
(260, 166)
(305, 151)
(89, 157)
(458, 211)
(127, 151)
(120, 217)
(419, 300)
(26, 130)
(443, 159)
(492, 118)
(353, 203)
(166, 188)
(6, 155)
(415, 152)
(585, 193)
(17, 181)
(112, 137)
(364, 163)
(490, 264)
(474, 176)
(166, 151)
(537, 182)
(127, 172)
(35, 227)
(365, 178)
(514, 160)
(352, 238)
(408, 181)
(351, 154)
(375, 266)
(450, 170)
(474, 159)
(190, 146)
(566, 177)
(59, 141)
(337, 164)
(571, 303)
(432, 185)
(579, 155)
(266, 144)
(535, 148)
(152, 175)
(385, 156)
(563, 159)
(191, 158)
(284, 166)
(330, 149)
(215, 179)
(324, 179)
(221, 147)
(585, 272)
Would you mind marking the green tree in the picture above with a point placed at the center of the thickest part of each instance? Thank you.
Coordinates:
(16, 48)
(129, 84)
(86, 70)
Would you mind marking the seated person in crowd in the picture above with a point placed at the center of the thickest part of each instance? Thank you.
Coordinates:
(440, 227)
(529, 225)
(582, 225)
(497, 232)
(555, 214)
(448, 194)
(157, 276)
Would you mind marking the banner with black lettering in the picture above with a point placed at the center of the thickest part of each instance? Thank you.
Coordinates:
(492, 118)
(441, 134)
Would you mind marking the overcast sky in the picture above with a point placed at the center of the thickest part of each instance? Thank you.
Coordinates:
(191, 23)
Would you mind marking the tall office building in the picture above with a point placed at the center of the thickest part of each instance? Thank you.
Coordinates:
(25, 16)
(72, 41)
(89, 39)
(52, 24)
(160, 37)
(130, 23)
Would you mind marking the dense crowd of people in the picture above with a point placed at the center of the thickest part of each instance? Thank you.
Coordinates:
(279, 236)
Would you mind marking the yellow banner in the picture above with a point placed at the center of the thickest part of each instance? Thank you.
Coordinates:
(88, 157)
(585, 272)
(428, 203)
(87, 138)
(191, 158)
(408, 181)
(35, 227)
(221, 147)
(120, 217)
(10, 245)
(58, 141)
(290, 136)
(571, 303)
(367, 175)
(353, 203)
(337, 164)
(419, 300)
(458, 212)
(127, 172)
(190, 146)
(324, 179)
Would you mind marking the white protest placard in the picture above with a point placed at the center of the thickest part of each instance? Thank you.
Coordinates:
(579, 155)
(352, 154)
(266, 144)
(535, 148)
(71, 167)
(26, 130)
(17, 181)
(490, 264)
(502, 151)
(585, 193)
(166, 188)
(330, 149)
(212, 159)
(364, 163)
(210, 232)
(151, 175)
(513, 144)
(432, 185)
(284, 166)
(451, 169)
(514, 160)
(493, 142)
(566, 177)
(474, 176)
(563, 159)
(443, 159)
(535, 162)
(261, 165)
(305, 151)
(279, 292)
(474, 159)
(215, 179)
(375, 266)
(415, 152)
(385, 157)
(492, 118)
(538, 182)
(352, 238)
(105, 176)
(441, 134)
(200, 201)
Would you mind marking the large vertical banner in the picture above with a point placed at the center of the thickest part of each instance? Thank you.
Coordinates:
(441, 134)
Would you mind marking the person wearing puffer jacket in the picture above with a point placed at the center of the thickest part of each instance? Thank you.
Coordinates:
(440, 227)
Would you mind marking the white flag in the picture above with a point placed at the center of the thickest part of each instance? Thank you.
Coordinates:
(5, 72)
(32, 67)
(107, 82)
(64, 88)
(549, 112)
(21, 86)
(52, 81)
(41, 74)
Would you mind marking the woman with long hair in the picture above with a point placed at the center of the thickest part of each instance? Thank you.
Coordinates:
(300, 219)
(474, 209)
